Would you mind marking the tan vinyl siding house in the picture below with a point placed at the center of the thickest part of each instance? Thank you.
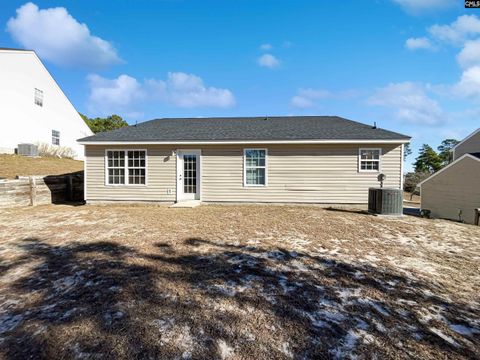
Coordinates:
(455, 192)
(296, 173)
(223, 169)
(471, 144)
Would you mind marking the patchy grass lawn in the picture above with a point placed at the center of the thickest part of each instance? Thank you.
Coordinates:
(235, 282)
(411, 201)
(16, 165)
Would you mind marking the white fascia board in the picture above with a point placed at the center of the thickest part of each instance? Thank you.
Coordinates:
(376, 141)
(449, 165)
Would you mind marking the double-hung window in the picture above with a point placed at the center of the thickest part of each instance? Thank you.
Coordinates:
(136, 167)
(126, 167)
(55, 137)
(255, 167)
(369, 160)
(38, 99)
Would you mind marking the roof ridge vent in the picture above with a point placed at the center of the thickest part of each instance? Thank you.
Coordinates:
(374, 125)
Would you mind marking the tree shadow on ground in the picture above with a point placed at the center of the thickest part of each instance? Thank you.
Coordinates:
(202, 299)
(351, 211)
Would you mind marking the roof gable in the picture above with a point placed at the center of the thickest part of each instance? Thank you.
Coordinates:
(245, 129)
(475, 156)
(476, 132)
(472, 139)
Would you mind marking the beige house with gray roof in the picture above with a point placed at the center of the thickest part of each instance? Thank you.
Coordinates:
(327, 160)
(454, 192)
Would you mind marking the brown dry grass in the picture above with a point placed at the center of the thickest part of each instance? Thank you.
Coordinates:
(415, 199)
(265, 282)
(15, 165)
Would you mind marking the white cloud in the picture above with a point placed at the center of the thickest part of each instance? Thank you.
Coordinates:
(469, 84)
(419, 43)
(464, 32)
(470, 54)
(314, 93)
(266, 47)
(410, 102)
(56, 36)
(420, 6)
(268, 60)
(125, 94)
(109, 96)
(305, 98)
(301, 102)
(189, 91)
(463, 28)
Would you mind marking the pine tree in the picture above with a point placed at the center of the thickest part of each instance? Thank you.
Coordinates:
(445, 152)
(428, 161)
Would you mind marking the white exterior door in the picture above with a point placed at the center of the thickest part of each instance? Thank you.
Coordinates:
(188, 175)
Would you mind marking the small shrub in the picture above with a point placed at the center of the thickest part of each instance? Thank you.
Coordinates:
(56, 151)
(412, 179)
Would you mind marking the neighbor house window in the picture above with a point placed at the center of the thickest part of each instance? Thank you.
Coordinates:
(55, 137)
(255, 167)
(369, 159)
(38, 97)
(126, 167)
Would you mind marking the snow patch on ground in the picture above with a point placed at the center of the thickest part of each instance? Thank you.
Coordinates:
(375, 305)
(286, 350)
(347, 345)
(225, 351)
(464, 330)
(185, 341)
(9, 322)
(447, 338)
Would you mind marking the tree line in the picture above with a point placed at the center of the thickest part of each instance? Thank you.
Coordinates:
(427, 162)
(108, 123)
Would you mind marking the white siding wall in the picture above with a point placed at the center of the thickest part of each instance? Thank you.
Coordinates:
(21, 121)
(296, 173)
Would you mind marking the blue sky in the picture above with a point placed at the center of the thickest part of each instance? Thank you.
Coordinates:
(412, 66)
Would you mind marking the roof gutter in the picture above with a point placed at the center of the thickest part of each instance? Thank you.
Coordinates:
(227, 142)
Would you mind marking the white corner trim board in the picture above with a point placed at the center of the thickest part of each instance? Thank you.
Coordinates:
(402, 165)
(449, 165)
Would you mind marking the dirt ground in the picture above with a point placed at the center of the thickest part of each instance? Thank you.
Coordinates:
(409, 199)
(235, 282)
(16, 165)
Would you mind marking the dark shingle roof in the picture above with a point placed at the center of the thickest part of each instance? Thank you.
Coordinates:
(246, 129)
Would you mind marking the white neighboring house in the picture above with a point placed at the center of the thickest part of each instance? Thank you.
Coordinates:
(33, 107)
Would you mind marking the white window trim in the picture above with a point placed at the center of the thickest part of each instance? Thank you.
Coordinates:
(379, 160)
(125, 152)
(245, 168)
